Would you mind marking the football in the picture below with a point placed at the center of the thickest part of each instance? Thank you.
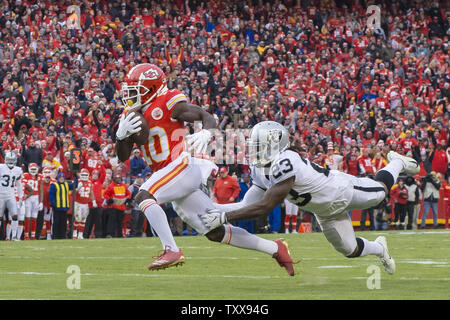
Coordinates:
(141, 137)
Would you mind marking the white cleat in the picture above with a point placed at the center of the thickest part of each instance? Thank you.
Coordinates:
(386, 260)
(410, 166)
(294, 231)
(80, 236)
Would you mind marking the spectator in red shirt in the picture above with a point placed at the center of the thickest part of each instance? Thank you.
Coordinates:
(226, 188)
(117, 197)
(399, 195)
(439, 162)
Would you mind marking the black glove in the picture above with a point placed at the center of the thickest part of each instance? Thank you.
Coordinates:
(129, 203)
(109, 201)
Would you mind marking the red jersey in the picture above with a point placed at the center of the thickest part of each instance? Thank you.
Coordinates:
(407, 144)
(84, 192)
(46, 198)
(92, 163)
(33, 182)
(166, 139)
(366, 164)
(97, 188)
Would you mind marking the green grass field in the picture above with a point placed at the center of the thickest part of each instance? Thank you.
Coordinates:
(117, 269)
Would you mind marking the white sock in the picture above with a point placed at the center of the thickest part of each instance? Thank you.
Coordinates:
(19, 232)
(8, 231)
(239, 237)
(371, 247)
(394, 167)
(14, 225)
(158, 221)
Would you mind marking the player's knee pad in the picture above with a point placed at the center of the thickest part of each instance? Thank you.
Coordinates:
(143, 195)
(216, 235)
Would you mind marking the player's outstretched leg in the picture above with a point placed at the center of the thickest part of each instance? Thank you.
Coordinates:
(171, 255)
(339, 232)
(397, 164)
(240, 238)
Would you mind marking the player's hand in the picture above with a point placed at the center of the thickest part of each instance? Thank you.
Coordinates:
(41, 206)
(109, 201)
(94, 204)
(128, 125)
(213, 218)
(19, 205)
(199, 141)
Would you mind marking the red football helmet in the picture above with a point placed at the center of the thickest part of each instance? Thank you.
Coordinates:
(142, 84)
(84, 175)
(33, 169)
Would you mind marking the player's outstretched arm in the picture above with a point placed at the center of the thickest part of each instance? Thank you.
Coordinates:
(253, 195)
(272, 197)
(188, 112)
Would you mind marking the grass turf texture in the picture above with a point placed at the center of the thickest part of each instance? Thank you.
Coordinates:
(117, 269)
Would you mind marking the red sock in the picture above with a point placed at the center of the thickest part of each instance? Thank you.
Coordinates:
(81, 227)
(26, 226)
(33, 227)
(294, 222)
(286, 221)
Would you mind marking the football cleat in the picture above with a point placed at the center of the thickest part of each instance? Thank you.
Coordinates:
(283, 256)
(167, 259)
(386, 260)
(410, 166)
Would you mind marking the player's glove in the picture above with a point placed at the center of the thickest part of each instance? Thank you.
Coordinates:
(41, 206)
(109, 201)
(128, 125)
(199, 141)
(94, 204)
(19, 204)
(213, 218)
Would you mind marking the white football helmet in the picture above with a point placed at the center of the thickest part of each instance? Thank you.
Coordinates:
(33, 169)
(10, 159)
(267, 139)
(84, 175)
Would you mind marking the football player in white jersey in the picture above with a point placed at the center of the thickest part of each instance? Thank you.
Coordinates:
(10, 175)
(279, 173)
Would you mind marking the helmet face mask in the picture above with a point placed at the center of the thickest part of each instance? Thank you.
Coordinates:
(10, 160)
(267, 140)
(84, 175)
(142, 84)
(33, 169)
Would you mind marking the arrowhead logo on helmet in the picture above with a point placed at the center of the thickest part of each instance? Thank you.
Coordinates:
(142, 85)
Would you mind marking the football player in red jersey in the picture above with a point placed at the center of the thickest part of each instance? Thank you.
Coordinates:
(176, 176)
(32, 178)
(83, 197)
(44, 200)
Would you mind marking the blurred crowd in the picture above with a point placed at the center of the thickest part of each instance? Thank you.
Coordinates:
(347, 92)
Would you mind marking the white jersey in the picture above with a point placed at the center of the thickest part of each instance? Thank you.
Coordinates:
(8, 179)
(318, 190)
